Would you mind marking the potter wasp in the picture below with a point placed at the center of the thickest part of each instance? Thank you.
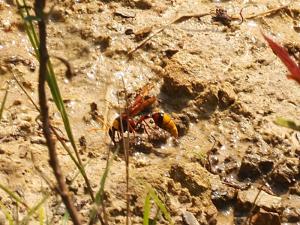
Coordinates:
(137, 115)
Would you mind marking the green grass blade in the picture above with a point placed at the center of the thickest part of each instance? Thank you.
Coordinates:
(34, 209)
(51, 80)
(65, 218)
(23, 11)
(3, 103)
(41, 215)
(147, 208)
(31, 27)
(13, 196)
(7, 214)
(99, 194)
(161, 205)
(287, 123)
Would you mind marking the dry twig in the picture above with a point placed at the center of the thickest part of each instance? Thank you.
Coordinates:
(260, 189)
(176, 20)
(274, 10)
(39, 6)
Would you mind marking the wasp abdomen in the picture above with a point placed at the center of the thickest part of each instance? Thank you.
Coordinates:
(164, 121)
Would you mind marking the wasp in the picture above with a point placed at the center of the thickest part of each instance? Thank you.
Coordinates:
(141, 103)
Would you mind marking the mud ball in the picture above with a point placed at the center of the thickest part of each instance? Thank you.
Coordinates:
(249, 167)
(158, 138)
(182, 122)
(143, 146)
(286, 174)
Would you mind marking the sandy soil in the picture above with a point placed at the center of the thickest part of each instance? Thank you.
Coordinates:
(218, 82)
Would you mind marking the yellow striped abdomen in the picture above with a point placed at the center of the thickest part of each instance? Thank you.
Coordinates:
(164, 121)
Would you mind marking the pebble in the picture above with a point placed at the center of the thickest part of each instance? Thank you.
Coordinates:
(189, 218)
(264, 200)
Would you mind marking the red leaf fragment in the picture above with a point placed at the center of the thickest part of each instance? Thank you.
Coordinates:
(284, 56)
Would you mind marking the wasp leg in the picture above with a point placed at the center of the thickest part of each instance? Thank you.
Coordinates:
(119, 136)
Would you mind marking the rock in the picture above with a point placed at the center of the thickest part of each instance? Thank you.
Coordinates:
(249, 168)
(207, 102)
(231, 165)
(263, 217)
(291, 215)
(255, 164)
(286, 174)
(221, 194)
(291, 209)
(182, 77)
(38, 140)
(191, 176)
(226, 95)
(143, 146)
(189, 218)
(158, 137)
(182, 122)
(142, 33)
(264, 200)
(2, 151)
(58, 15)
(241, 109)
(124, 12)
(295, 189)
(25, 127)
(23, 151)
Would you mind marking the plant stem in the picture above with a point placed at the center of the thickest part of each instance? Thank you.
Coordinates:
(54, 163)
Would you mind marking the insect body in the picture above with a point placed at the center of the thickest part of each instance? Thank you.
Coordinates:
(140, 107)
(141, 103)
(127, 123)
(164, 121)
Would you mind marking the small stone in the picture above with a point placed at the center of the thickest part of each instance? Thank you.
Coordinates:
(207, 102)
(189, 218)
(58, 15)
(143, 146)
(265, 218)
(125, 13)
(38, 140)
(221, 194)
(25, 127)
(291, 215)
(142, 33)
(182, 123)
(286, 174)
(2, 151)
(291, 209)
(226, 95)
(264, 200)
(249, 166)
(191, 176)
(23, 151)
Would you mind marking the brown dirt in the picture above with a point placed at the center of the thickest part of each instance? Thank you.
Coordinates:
(218, 82)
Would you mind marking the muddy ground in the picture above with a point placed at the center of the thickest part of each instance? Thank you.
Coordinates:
(219, 80)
